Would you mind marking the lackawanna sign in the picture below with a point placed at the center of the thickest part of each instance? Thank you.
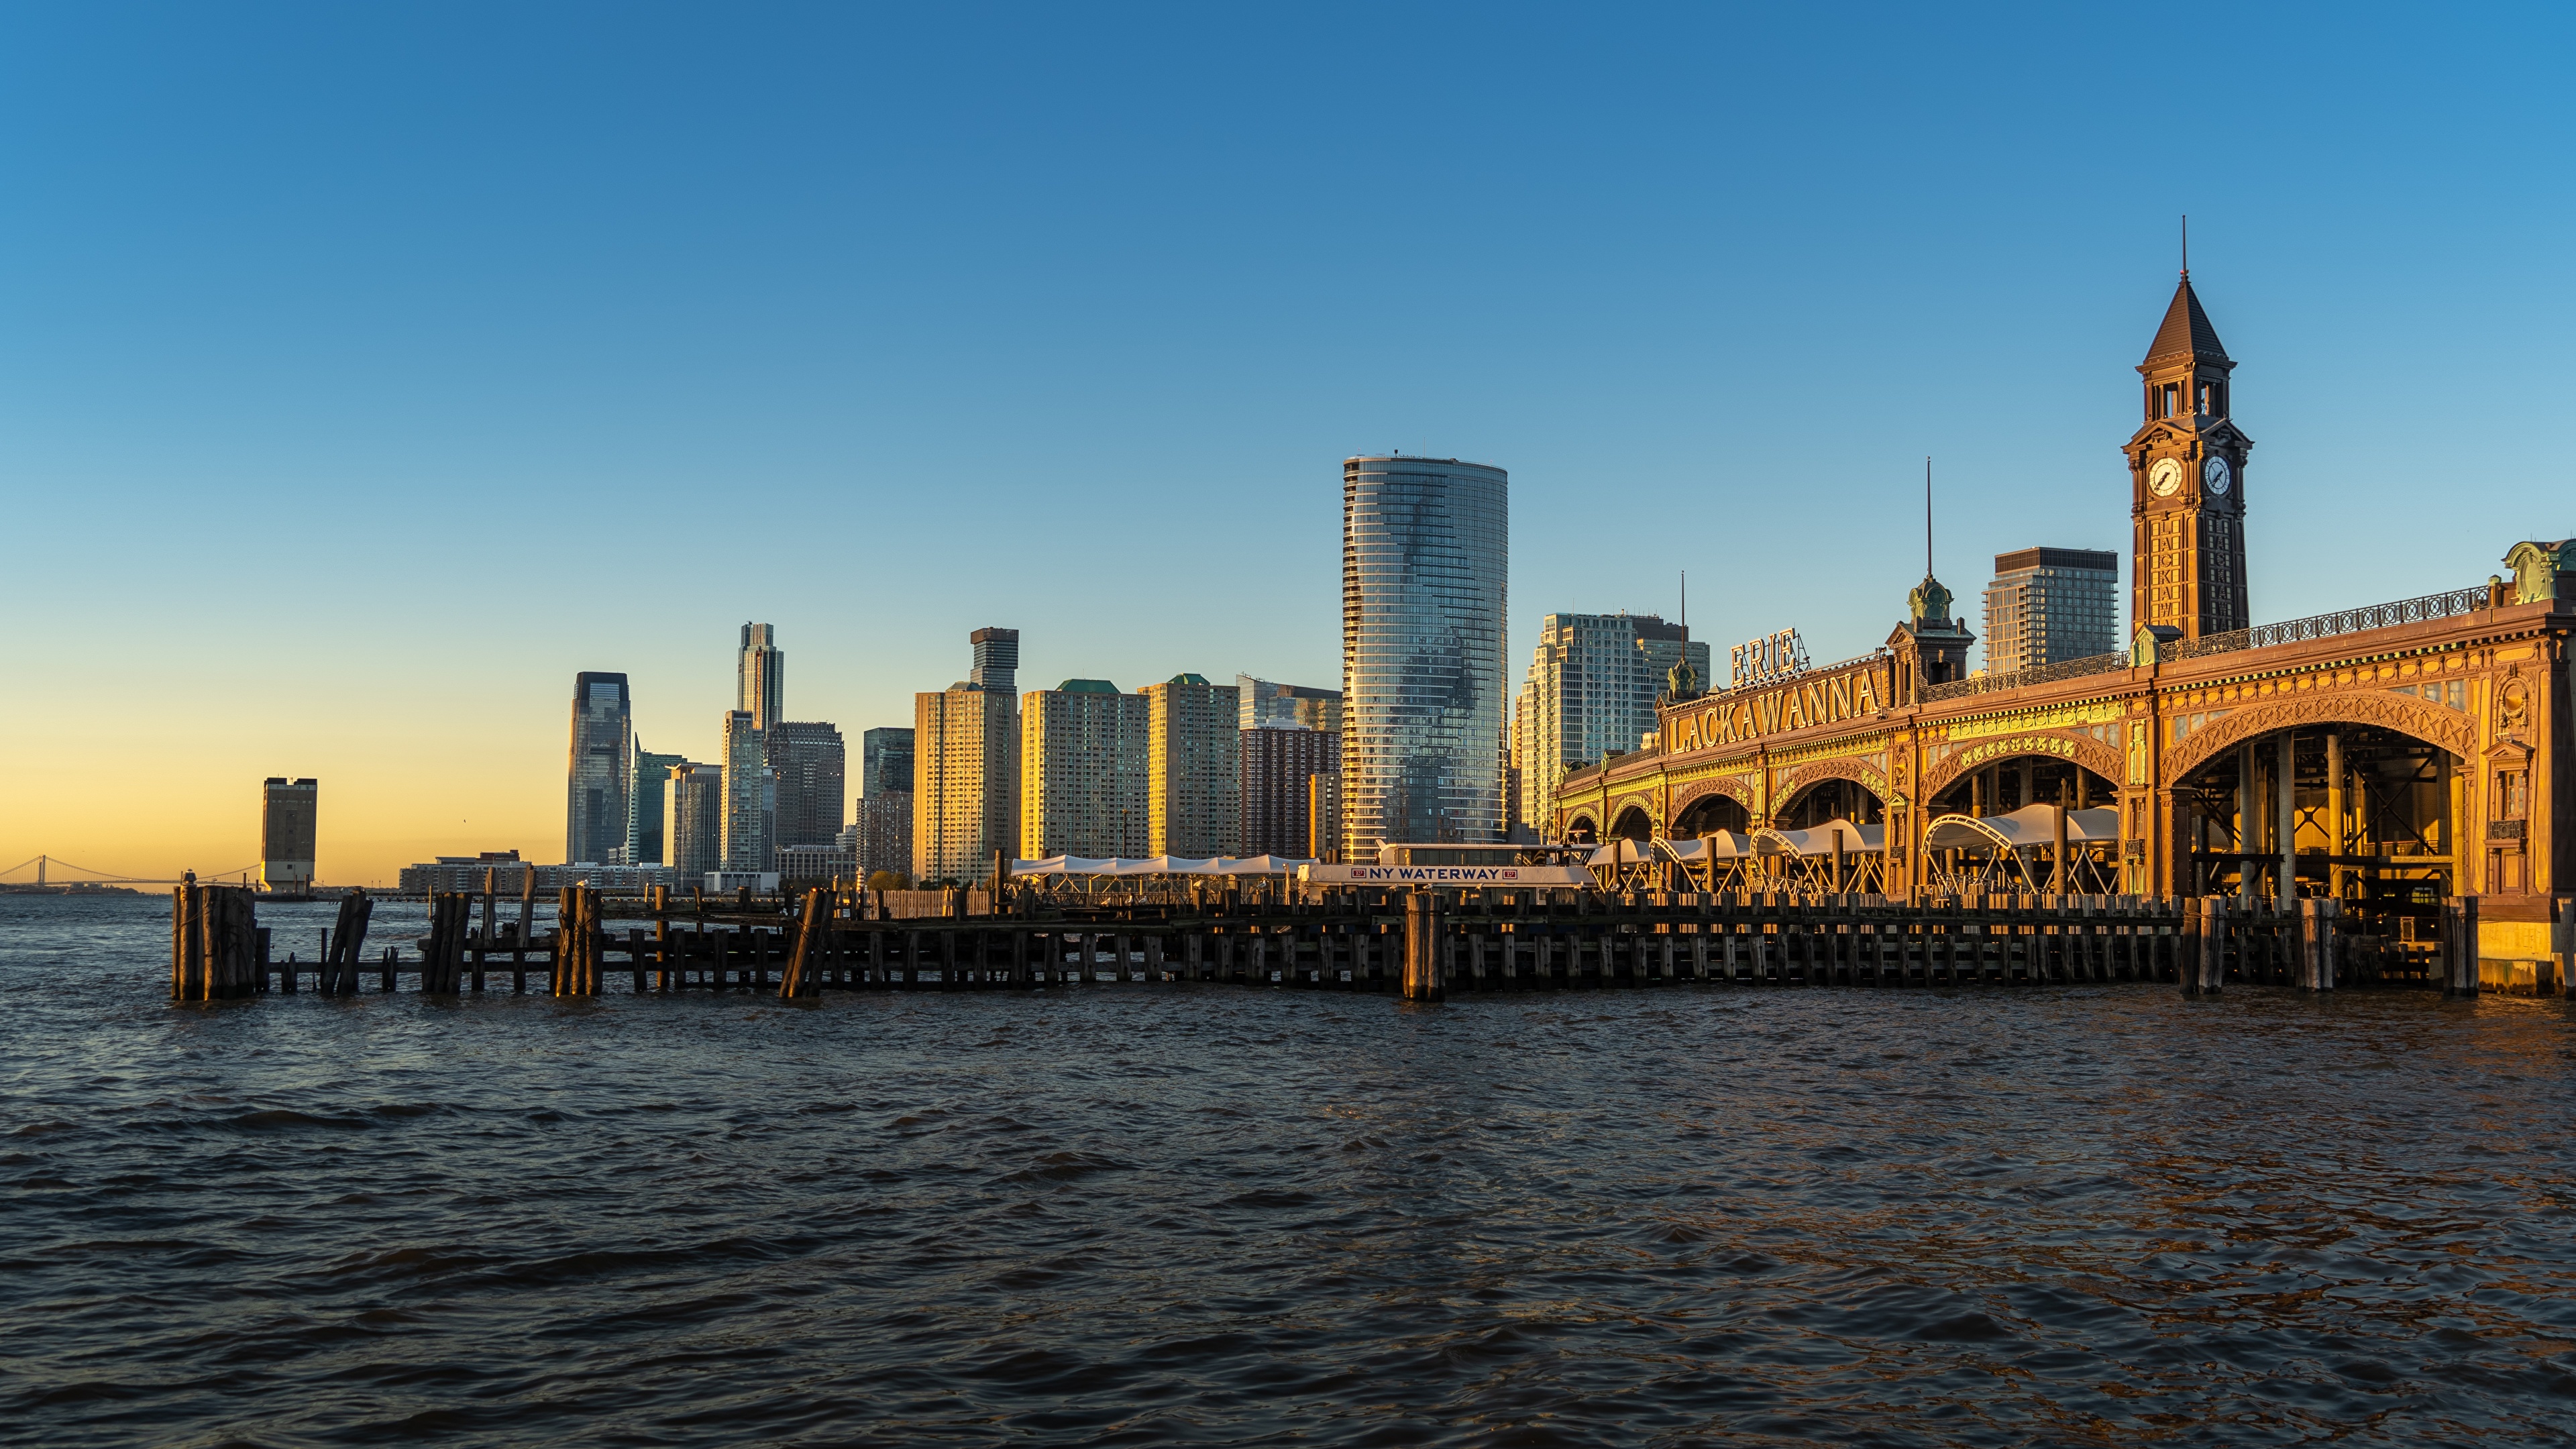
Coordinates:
(1455, 875)
(1740, 715)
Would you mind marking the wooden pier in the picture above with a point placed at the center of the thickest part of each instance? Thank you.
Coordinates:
(1418, 944)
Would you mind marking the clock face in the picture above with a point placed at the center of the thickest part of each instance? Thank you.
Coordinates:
(2164, 478)
(2215, 477)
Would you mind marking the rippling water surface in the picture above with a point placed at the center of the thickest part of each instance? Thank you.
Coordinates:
(1216, 1215)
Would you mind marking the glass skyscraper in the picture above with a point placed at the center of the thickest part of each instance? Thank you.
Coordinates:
(761, 670)
(1425, 545)
(603, 755)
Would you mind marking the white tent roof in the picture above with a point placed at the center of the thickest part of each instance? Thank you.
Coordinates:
(1819, 840)
(1157, 865)
(2032, 827)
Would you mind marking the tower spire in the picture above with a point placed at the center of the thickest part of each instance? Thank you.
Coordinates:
(1927, 517)
(2186, 245)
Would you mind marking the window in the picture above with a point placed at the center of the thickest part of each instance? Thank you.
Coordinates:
(2512, 794)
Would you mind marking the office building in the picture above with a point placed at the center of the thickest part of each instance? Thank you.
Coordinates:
(761, 676)
(997, 661)
(1280, 764)
(2049, 605)
(1194, 800)
(750, 795)
(882, 835)
(650, 776)
(1425, 549)
(1082, 771)
(808, 762)
(1266, 703)
(810, 864)
(966, 766)
(693, 811)
(603, 754)
(287, 818)
(885, 760)
(1589, 694)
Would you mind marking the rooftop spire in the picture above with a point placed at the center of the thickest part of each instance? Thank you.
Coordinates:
(2186, 332)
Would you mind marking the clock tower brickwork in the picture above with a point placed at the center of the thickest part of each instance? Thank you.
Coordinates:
(2187, 482)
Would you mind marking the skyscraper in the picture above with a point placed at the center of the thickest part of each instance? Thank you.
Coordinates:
(1194, 777)
(644, 812)
(1425, 546)
(885, 761)
(693, 811)
(1280, 764)
(750, 794)
(997, 660)
(809, 762)
(603, 754)
(1590, 693)
(966, 766)
(761, 673)
(2051, 604)
(1083, 771)
(288, 812)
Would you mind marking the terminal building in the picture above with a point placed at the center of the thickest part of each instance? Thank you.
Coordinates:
(2388, 755)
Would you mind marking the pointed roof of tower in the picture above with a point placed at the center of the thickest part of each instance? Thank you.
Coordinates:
(2186, 328)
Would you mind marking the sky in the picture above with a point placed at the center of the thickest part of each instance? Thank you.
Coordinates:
(368, 371)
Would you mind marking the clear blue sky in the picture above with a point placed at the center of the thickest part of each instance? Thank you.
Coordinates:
(365, 371)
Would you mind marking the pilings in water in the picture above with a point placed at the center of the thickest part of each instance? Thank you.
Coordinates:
(216, 949)
(1423, 945)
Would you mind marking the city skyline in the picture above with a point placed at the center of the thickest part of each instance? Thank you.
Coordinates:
(1742, 341)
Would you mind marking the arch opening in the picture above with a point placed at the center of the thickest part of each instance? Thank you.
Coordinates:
(2000, 787)
(1709, 814)
(2363, 813)
(1633, 823)
(1825, 800)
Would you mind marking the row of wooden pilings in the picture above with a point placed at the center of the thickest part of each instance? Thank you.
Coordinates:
(1417, 943)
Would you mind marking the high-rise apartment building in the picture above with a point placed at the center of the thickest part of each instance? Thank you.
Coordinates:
(1590, 693)
(1425, 569)
(603, 755)
(1296, 705)
(1194, 782)
(693, 812)
(809, 762)
(966, 766)
(1083, 755)
(289, 811)
(651, 777)
(997, 660)
(1280, 764)
(761, 672)
(2051, 604)
(885, 760)
(750, 794)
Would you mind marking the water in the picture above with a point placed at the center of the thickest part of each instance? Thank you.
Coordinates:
(1213, 1215)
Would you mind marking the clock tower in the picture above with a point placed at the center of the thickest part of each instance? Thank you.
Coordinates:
(2187, 482)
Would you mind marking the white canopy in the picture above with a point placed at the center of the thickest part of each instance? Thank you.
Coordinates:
(1156, 865)
(1819, 840)
(2032, 827)
(1719, 844)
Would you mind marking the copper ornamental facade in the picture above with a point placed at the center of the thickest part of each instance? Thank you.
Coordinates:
(1424, 560)
(2387, 756)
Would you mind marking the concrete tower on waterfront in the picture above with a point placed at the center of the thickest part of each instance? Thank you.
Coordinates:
(693, 811)
(762, 673)
(603, 761)
(1424, 573)
(287, 815)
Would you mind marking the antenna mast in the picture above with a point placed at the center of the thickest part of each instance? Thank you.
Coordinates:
(2186, 243)
(1927, 517)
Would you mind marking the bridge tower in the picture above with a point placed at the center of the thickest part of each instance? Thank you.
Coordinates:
(2187, 480)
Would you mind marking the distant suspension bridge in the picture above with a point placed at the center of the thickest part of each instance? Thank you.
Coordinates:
(44, 870)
